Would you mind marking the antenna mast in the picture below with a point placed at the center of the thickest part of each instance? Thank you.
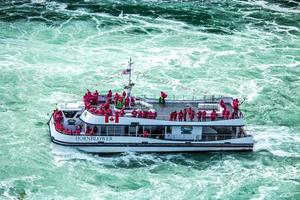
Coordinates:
(129, 64)
(130, 84)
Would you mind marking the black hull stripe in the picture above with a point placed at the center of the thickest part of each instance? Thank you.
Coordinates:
(150, 144)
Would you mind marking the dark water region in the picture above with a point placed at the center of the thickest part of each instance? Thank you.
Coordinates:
(52, 51)
(220, 17)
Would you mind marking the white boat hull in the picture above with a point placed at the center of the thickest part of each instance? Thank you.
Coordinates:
(119, 144)
(113, 149)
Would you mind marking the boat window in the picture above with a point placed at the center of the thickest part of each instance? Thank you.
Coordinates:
(132, 130)
(103, 130)
(115, 130)
(119, 130)
(70, 114)
(148, 129)
(96, 129)
(169, 129)
(110, 130)
(126, 130)
(157, 131)
(140, 130)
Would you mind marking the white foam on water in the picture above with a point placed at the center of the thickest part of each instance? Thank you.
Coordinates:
(38, 1)
(273, 138)
(264, 192)
(274, 7)
(10, 190)
(60, 97)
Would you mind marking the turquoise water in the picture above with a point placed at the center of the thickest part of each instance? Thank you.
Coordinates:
(52, 51)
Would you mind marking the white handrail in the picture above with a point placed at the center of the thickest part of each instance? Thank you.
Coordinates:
(209, 98)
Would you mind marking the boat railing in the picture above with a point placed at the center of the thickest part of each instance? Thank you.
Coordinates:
(239, 115)
(173, 97)
(167, 118)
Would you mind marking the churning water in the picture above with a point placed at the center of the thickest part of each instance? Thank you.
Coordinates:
(52, 51)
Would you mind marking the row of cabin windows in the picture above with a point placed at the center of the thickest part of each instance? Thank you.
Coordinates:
(151, 130)
(130, 130)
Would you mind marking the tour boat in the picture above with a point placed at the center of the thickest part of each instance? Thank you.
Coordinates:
(115, 123)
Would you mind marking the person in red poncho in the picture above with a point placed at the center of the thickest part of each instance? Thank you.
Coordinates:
(223, 113)
(204, 115)
(95, 97)
(145, 134)
(145, 114)
(162, 98)
(154, 114)
(222, 104)
(150, 114)
(180, 115)
(171, 116)
(127, 100)
(213, 115)
(175, 115)
(116, 97)
(140, 114)
(226, 114)
(134, 113)
(192, 115)
(109, 112)
(122, 112)
(199, 115)
(235, 105)
(184, 114)
(109, 96)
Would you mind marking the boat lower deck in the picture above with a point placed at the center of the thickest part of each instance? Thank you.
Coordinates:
(118, 144)
(116, 139)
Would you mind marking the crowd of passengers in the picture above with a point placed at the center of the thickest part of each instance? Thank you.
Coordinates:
(149, 114)
(190, 114)
(119, 100)
(58, 119)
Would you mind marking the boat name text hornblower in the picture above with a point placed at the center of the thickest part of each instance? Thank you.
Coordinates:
(93, 138)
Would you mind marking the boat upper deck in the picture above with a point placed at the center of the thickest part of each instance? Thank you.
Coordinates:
(204, 109)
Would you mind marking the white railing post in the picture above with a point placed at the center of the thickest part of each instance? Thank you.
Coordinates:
(136, 130)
